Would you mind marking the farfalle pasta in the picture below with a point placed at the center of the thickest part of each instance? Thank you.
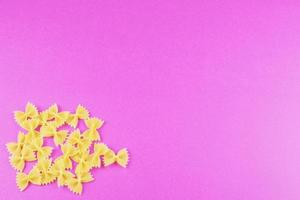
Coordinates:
(23, 179)
(68, 152)
(59, 136)
(59, 117)
(30, 112)
(80, 150)
(93, 124)
(16, 147)
(36, 145)
(77, 139)
(81, 113)
(59, 170)
(99, 150)
(44, 167)
(19, 159)
(30, 126)
(121, 157)
(46, 120)
(83, 161)
(75, 184)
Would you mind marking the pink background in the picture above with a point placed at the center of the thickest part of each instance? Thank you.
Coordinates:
(204, 94)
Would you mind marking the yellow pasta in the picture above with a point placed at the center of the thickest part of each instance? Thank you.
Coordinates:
(30, 113)
(60, 117)
(75, 148)
(75, 184)
(68, 151)
(51, 131)
(45, 119)
(58, 169)
(16, 147)
(99, 150)
(121, 158)
(83, 161)
(44, 166)
(93, 124)
(77, 139)
(30, 126)
(42, 151)
(23, 179)
(18, 160)
(81, 113)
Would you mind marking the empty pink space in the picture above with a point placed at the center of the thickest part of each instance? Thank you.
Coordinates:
(204, 94)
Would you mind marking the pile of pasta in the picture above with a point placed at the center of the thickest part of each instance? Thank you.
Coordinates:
(81, 151)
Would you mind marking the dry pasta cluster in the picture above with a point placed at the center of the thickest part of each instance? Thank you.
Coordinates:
(75, 146)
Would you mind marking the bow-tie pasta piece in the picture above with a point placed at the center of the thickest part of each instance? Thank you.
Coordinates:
(99, 150)
(51, 131)
(58, 169)
(18, 160)
(16, 147)
(23, 179)
(121, 158)
(45, 119)
(77, 139)
(59, 117)
(80, 113)
(31, 112)
(44, 166)
(30, 126)
(83, 161)
(75, 184)
(93, 124)
(42, 151)
(68, 152)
